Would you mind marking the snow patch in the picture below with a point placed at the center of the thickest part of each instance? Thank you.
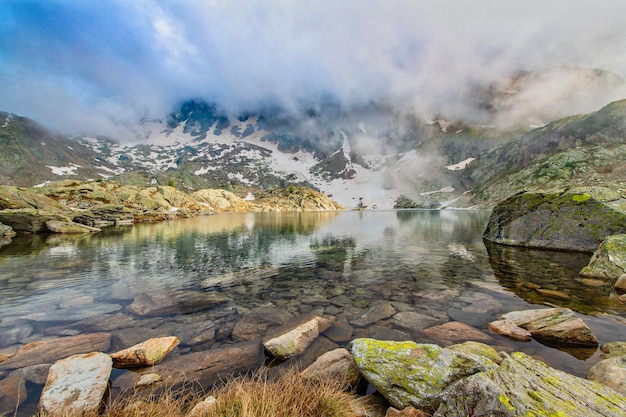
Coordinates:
(69, 170)
(461, 165)
(8, 120)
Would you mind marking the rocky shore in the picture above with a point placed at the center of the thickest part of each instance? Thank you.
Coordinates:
(85, 207)
(460, 379)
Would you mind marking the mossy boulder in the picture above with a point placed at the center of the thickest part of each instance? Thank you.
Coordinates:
(609, 260)
(29, 220)
(574, 219)
(412, 374)
(522, 386)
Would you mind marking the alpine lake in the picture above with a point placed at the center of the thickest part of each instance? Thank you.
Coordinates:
(335, 264)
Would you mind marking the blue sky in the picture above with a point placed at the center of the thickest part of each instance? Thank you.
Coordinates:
(102, 65)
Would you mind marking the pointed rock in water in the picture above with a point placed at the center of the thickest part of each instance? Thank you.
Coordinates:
(554, 325)
(610, 372)
(48, 351)
(295, 336)
(76, 385)
(609, 260)
(148, 353)
(412, 374)
(376, 313)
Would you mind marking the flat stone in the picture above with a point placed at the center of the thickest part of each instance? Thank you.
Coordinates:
(376, 313)
(58, 226)
(148, 353)
(174, 302)
(457, 332)
(254, 324)
(48, 351)
(76, 384)
(553, 293)
(339, 332)
(413, 322)
(508, 328)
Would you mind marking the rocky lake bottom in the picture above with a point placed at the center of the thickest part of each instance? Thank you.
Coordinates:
(392, 275)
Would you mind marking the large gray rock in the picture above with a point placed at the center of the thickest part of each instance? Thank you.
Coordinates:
(412, 374)
(76, 385)
(575, 219)
(609, 260)
(522, 386)
(554, 325)
(610, 372)
(48, 351)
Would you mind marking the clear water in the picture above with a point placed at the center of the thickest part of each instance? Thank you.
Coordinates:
(336, 264)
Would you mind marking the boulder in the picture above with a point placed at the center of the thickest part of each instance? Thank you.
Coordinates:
(554, 325)
(76, 385)
(57, 226)
(48, 351)
(376, 313)
(148, 353)
(105, 215)
(254, 324)
(336, 364)
(28, 198)
(29, 220)
(574, 219)
(522, 386)
(412, 374)
(609, 260)
(293, 338)
(156, 304)
(610, 372)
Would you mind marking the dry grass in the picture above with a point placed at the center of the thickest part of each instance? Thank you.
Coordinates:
(287, 396)
(251, 396)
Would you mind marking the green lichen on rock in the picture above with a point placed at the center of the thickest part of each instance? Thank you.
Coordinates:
(573, 219)
(412, 374)
(609, 260)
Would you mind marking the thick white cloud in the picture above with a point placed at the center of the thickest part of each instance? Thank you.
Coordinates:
(77, 66)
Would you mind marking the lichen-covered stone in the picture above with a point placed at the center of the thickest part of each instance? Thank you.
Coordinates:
(523, 387)
(609, 260)
(412, 374)
(57, 226)
(295, 336)
(144, 354)
(574, 219)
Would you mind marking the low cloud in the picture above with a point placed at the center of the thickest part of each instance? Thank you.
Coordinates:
(77, 66)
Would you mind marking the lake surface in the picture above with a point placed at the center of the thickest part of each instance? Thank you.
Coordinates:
(336, 264)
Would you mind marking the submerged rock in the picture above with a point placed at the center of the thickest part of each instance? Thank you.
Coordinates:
(76, 385)
(254, 324)
(12, 393)
(575, 219)
(174, 302)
